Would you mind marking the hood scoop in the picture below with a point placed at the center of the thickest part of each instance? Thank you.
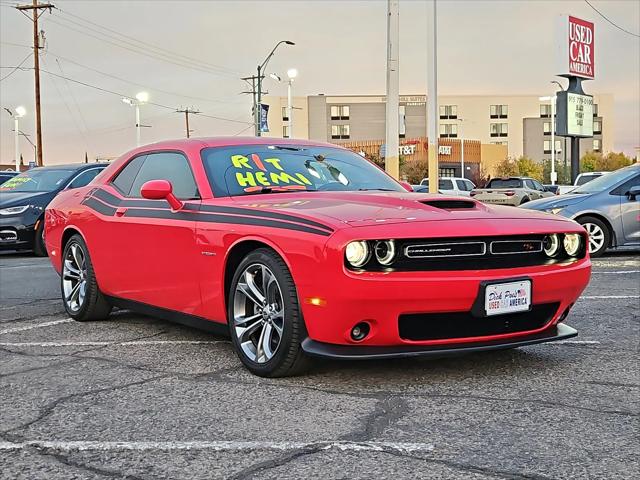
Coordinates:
(450, 204)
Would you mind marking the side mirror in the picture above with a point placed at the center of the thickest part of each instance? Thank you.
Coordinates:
(161, 190)
(407, 186)
(634, 192)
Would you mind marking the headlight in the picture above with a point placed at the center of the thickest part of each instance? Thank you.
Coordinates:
(385, 251)
(357, 253)
(551, 244)
(14, 210)
(572, 242)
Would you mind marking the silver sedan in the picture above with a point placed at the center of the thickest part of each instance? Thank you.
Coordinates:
(608, 208)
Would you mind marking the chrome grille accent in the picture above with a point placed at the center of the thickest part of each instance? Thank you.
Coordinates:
(446, 250)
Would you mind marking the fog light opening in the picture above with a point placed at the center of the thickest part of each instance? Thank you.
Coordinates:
(360, 331)
(565, 314)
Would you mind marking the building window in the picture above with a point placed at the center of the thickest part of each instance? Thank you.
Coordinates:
(339, 132)
(499, 129)
(447, 172)
(285, 114)
(547, 146)
(285, 131)
(448, 130)
(339, 112)
(448, 112)
(597, 127)
(545, 110)
(597, 145)
(595, 109)
(546, 128)
(506, 144)
(499, 111)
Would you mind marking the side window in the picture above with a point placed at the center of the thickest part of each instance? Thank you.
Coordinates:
(462, 185)
(538, 186)
(170, 166)
(84, 178)
(626, 186)
(445, 185)
(127, 175)
(470, 185)
(529, 184)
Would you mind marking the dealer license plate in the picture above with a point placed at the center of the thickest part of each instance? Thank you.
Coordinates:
(507, 297)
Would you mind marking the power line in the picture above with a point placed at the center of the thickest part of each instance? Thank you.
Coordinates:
(16, 68)
(155, 47)
(610, 21)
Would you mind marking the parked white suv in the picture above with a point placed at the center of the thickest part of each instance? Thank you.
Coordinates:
(457, 186)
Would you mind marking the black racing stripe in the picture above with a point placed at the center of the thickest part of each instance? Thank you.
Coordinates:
(99, 207)
(260, 213)
(227, 219)
(118, 202)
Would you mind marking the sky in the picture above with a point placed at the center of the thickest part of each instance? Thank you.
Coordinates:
(193, 53)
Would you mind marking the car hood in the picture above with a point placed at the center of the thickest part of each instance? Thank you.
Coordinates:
(369, 208)
(16, 199)
(557, 201)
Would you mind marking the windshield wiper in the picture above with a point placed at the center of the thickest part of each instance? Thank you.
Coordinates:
(254, 190)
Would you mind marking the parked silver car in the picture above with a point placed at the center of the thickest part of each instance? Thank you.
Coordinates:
(608, 208)
(510, 191)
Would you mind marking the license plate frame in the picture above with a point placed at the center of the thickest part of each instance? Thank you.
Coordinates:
(479, 308)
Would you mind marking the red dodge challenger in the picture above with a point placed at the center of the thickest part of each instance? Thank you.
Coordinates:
(299, 249)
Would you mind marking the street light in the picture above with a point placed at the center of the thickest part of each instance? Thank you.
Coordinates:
(17, 113)
(291, 73)
(462, 147)
(141, 99)
(261, 68)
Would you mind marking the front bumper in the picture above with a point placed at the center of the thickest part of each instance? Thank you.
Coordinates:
(334, 304)
(16, 233)
(352, 352)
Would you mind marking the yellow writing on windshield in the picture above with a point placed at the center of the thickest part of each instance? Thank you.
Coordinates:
(253, 173)
(14, 182)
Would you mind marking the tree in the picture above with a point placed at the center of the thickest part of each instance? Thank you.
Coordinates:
(529, 168)
(507, 168)
(596, 162)
(564, 174)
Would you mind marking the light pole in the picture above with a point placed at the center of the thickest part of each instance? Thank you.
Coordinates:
(258, 107)
(291, 73)
(141, 99)
(552, 100)
(18, 113)
(462, 147)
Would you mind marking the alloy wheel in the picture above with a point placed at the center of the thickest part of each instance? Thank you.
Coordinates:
(596, 236)
(74, 277)
(258, 313)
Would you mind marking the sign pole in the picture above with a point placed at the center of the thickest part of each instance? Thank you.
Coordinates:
(392, 161)
(432, 95)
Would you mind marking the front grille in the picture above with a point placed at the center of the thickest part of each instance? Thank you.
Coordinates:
(440, 326)
(8, 235)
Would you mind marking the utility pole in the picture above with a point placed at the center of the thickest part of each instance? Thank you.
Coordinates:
(186, 112)
(35, 7)
(254, 93)
(392, 140)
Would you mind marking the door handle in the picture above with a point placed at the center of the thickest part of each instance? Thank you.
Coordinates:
(120, 211)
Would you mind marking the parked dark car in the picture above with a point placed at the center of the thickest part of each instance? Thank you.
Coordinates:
(24, 197)
(555, 189)
(6, 175)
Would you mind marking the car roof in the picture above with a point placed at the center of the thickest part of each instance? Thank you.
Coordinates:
(71, 166)
(206, 142)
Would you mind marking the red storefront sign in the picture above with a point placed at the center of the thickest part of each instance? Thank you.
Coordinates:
(575, 47)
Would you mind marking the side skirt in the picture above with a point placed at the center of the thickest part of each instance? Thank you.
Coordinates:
(192, 321)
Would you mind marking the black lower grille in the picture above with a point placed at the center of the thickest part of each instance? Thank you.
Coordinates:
(440, 326)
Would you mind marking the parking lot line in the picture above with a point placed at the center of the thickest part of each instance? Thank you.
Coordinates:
(574, 342)
(605, 297)
(106, 344)
(234, 446)
(37, 325)
(614, 272)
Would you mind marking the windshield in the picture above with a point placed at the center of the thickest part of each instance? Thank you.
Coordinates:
(36, 180)
(587, 178)
(504, 183)
(251, 169)
(605, 182)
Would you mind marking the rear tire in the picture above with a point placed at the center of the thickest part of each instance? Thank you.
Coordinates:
(81, 296)
(599, 235)
(265, 321)
(524, 200)
(39, 249)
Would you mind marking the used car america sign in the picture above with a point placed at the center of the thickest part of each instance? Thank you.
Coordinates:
(575, 47)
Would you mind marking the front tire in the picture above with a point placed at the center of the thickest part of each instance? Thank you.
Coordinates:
(81, 296)
(39, 250)
(265, 321)
(599, 235)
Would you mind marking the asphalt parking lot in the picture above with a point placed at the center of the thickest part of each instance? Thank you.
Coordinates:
(139, 398)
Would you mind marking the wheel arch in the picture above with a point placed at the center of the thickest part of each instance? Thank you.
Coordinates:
(237, 251)
(612, 233)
